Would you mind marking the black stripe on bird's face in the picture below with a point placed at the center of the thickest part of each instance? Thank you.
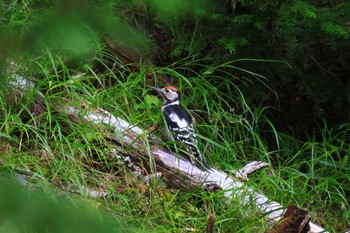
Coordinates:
(169, 94)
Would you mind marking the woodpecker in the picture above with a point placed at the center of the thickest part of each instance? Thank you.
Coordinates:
(180, 124)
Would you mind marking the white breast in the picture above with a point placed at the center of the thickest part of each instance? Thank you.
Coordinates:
(182, 123)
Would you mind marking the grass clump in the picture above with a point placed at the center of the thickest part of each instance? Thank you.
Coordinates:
(60, 152)
(310, 174)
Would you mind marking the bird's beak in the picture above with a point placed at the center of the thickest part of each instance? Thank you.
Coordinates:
(157, 89)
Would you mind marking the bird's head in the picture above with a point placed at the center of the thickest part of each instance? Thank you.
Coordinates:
(169, 93)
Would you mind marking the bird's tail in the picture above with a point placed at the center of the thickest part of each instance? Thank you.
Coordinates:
(203, 165)
(198, 159)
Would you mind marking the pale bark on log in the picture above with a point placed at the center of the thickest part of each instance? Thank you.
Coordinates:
(177, 170)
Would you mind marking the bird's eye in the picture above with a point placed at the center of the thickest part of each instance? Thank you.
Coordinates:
(166, 90)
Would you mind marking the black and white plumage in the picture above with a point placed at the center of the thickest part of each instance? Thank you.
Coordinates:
(180, 124)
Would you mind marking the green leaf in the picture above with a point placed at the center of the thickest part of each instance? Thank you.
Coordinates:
(152, 100)
(335, 29)
(12, 138)
(16, 119)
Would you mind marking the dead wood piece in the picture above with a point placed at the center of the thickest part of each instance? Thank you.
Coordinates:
(294, 220)
(248, 169)
(211, 222)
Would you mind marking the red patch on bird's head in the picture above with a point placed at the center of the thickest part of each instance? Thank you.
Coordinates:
(171, 88)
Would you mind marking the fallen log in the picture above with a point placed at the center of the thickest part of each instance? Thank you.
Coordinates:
(175, 169)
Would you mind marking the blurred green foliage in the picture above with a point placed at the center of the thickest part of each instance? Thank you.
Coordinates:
(72, 29)
(26, 210)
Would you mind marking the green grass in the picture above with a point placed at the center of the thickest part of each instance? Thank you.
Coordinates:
(312, 175)
(232, 131)
(28, 210)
